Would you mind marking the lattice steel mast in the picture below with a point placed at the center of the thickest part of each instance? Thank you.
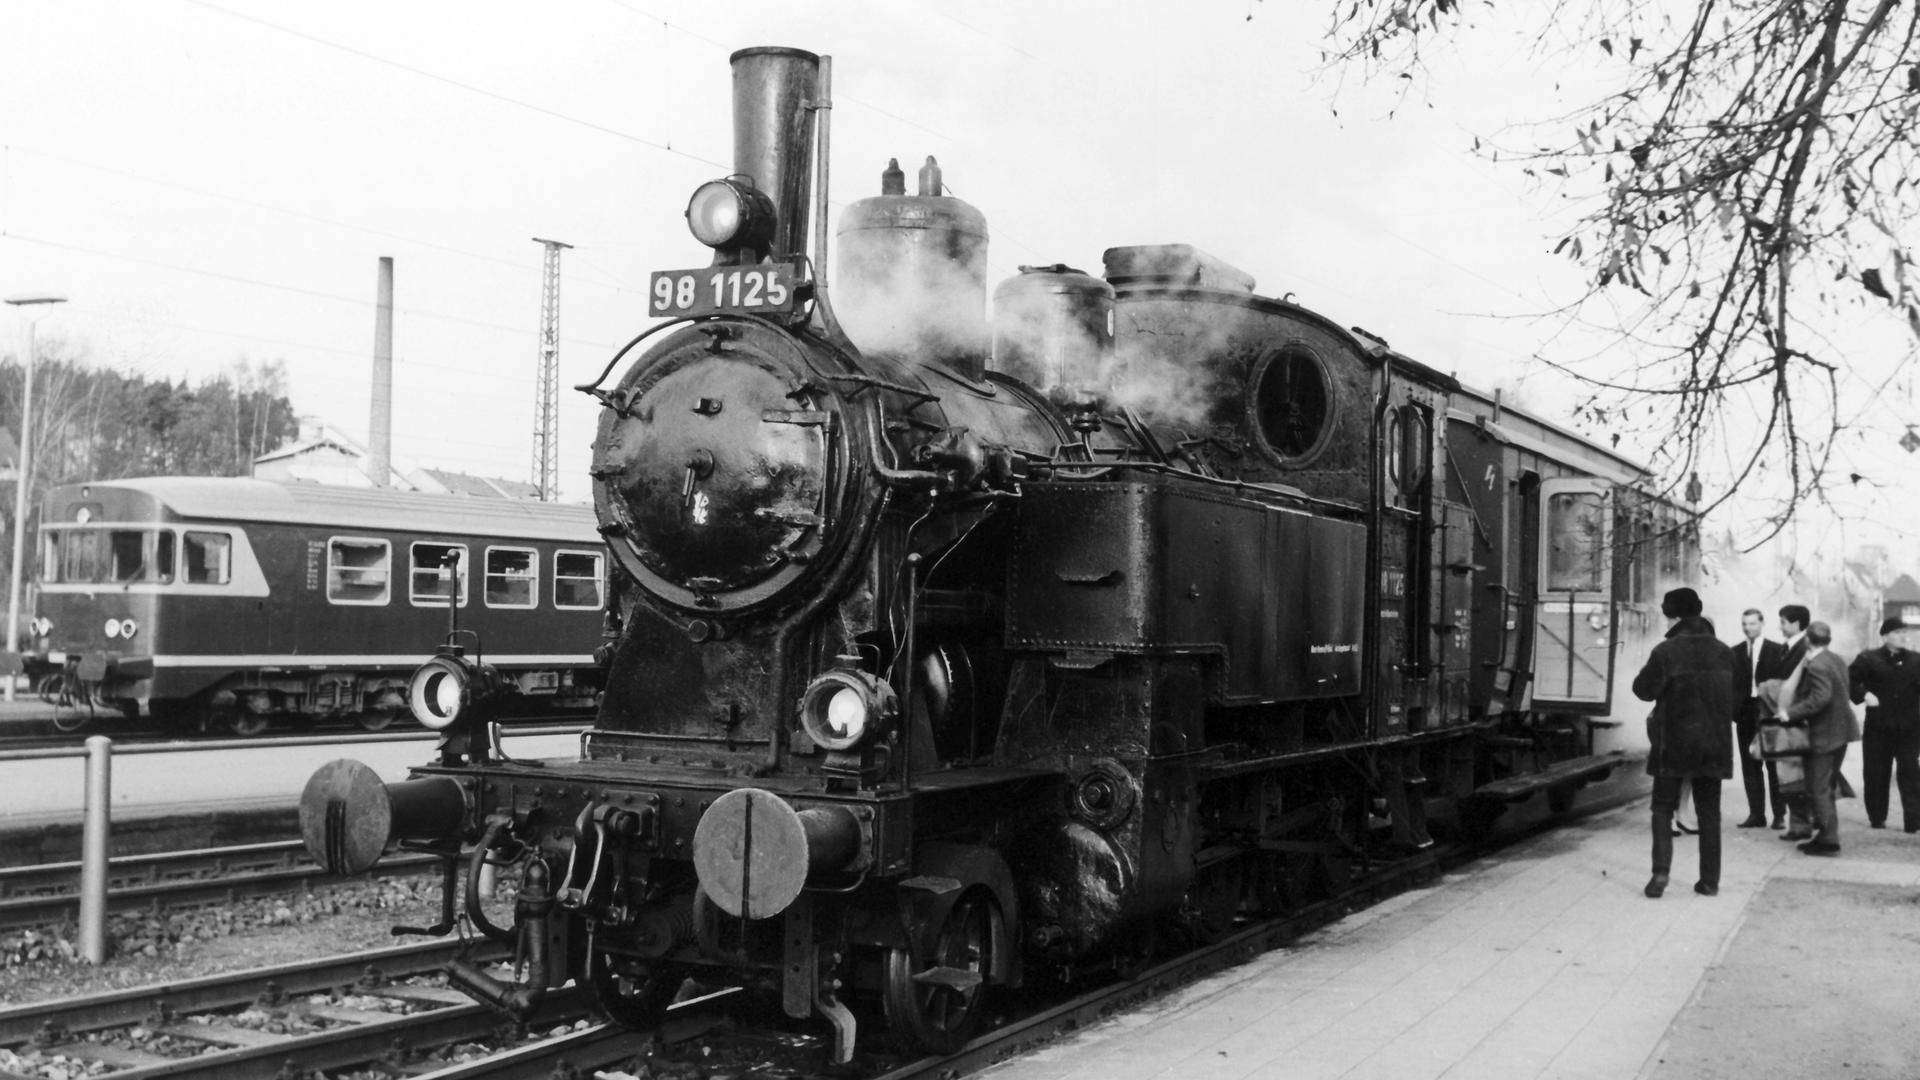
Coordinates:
(546, 430)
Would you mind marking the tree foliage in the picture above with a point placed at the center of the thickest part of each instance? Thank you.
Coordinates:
(93, 424)
(1754, 184)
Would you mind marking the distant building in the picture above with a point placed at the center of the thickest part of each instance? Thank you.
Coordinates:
(325, 455)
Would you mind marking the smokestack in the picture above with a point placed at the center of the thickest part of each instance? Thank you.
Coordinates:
(380, 428)
(773, 134)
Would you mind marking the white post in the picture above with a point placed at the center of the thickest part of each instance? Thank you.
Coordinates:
(24, 478)
(94, 850)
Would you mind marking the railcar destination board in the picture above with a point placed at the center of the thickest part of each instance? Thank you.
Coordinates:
(763, 288)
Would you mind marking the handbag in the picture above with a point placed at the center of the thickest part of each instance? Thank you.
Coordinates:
(1780, 741)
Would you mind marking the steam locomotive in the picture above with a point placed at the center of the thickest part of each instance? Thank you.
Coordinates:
(952, 653)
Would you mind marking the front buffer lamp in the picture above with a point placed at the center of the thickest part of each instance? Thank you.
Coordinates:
(731, 215)
(844, 709)
(450, 694)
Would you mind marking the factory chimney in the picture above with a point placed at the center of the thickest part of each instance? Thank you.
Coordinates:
(380, 427)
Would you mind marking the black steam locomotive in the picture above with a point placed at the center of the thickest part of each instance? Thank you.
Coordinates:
(951, 653)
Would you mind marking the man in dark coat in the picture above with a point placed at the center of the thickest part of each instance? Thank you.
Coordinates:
(1689, 679)
(1755, 660)
(1821, 702)
(1887, 680)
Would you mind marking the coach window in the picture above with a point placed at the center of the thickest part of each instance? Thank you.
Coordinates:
(579, 579)
(209, 558)
(1292, 405)
(358, 571)
(432, 577)
(512, 577)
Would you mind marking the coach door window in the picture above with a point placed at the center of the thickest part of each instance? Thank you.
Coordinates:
(209, 558)
(1577, 541)
(513, 577)
(358, 571)
(432, 577)
(579, 579)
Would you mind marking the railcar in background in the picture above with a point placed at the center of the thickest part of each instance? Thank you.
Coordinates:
(236, 604)
(951, 654)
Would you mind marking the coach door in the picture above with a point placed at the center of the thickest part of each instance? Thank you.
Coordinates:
(1573, 613)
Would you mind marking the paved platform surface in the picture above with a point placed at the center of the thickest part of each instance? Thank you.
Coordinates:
(1547, 961)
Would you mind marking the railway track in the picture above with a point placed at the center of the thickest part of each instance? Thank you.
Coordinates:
(327, 1014)
(49, 893)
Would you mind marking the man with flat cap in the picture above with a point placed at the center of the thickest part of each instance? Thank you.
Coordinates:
(1689, 679)
(1887, 681)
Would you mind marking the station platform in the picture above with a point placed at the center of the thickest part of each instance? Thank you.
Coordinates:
(1546, 961)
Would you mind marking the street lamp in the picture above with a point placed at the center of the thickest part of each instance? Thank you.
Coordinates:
(24, 475)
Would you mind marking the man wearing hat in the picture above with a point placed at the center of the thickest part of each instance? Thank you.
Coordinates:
(1689, 679)
(1887, 681)
(1820, 701)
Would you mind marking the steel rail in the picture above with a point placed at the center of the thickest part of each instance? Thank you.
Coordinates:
(94, 1012)
(39, 895)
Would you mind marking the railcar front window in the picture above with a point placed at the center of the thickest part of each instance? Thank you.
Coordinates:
(579, 579)
(209, 558)
(358, 571)
(512, 577)
(1576, 531)
(107, 557)
(433, 574)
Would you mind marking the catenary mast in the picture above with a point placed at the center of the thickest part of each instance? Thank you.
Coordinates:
(546, 429)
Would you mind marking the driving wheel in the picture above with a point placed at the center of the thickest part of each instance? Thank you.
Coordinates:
(937, 1005)
(633, 993)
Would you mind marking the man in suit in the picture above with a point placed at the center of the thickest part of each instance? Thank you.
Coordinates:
(1793, 628)
(1689, 678)
(1756, 660)
(1887, 681)
(1821, 702)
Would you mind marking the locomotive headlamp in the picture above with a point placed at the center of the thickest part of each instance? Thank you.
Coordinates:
(843, 709)
(730, 213)
(444, 688)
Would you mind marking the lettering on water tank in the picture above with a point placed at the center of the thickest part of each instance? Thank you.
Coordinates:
(1333, 647)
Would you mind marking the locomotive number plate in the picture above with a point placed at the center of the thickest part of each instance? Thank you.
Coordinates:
(767, 287)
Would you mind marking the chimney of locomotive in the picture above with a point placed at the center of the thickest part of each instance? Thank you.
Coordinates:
(773, 88)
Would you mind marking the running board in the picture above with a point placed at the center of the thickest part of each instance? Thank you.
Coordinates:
(1577, 771)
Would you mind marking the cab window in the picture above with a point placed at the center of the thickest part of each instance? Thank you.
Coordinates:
(209, 558)
(436, 569)
(513, 577)
(107, 556)
(579, 579)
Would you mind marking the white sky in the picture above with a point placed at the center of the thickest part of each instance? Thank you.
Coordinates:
(215, 179)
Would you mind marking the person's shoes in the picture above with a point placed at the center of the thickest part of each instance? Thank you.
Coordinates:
(1754, 822)
(1681, 828)
(1705, 889)
(1779, 823)
(1656, 885)
(1792, 834)
(1814, 847)
(1913, 828)
(1876, 824)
